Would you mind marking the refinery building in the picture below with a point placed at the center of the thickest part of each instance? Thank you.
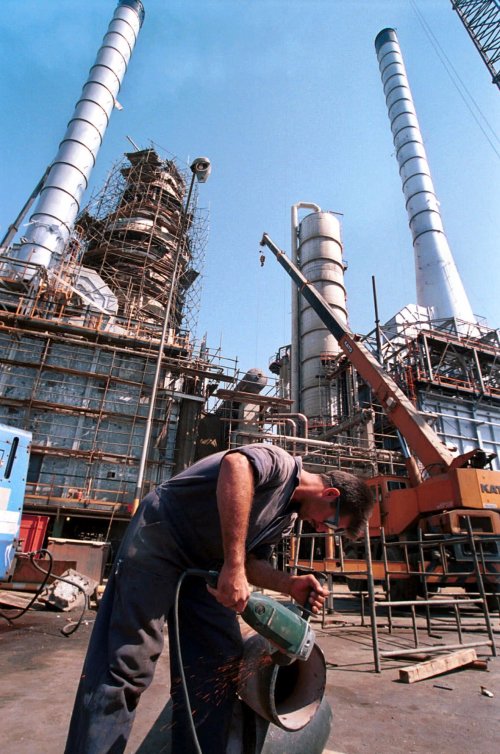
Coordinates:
(98, 308)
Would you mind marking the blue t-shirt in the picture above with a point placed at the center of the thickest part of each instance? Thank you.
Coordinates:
(188, 502)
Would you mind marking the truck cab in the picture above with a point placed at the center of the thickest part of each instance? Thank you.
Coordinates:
(14, 458)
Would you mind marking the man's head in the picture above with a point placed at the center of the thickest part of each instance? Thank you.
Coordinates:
(351, 502)
(335, 500)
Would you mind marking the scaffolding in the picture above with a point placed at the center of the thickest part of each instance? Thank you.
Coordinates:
(80, 343)
(135, 229)
(453, 377)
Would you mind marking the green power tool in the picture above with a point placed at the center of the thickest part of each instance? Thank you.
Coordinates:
(281, 624)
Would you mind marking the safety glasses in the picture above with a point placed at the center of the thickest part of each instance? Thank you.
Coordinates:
(333, 521)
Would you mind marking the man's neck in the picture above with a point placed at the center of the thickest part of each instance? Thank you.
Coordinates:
(310, 484)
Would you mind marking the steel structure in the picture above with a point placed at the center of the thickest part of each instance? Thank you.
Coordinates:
(135, 229)
(97, 316)
(84, 389)
(481, 19)
(453, 379)
(80, 377)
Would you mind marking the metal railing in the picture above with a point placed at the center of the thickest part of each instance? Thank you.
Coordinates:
(424, 566)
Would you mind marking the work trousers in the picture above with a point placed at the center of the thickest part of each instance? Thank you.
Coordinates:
(128, 639)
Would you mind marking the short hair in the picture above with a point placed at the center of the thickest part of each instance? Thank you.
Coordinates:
(356, 500)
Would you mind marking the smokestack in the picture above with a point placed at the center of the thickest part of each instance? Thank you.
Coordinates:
(439, 286)
(53, 219)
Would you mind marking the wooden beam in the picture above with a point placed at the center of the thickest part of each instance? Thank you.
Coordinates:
(437, 666)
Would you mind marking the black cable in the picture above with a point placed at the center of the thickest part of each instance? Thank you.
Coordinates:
(69, 628)
(9, 618)
(72, 626)
(193, 572)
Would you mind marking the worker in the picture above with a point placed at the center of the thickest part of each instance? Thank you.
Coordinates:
(226, 512)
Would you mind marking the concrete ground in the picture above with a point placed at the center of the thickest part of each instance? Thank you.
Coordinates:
(372, 713)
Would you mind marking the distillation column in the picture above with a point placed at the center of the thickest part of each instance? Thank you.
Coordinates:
(319, 255)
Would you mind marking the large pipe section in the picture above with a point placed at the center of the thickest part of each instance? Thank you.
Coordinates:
(287, 695)
(439, 286)
(58, 205)
(317, 249)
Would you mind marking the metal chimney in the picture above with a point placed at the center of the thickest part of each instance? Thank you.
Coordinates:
(52, 221)
(439, 286)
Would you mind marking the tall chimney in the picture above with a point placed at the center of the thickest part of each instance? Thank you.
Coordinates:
(439, 286)
(58, 205)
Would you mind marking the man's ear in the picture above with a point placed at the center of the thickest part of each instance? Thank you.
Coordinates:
(330, 492)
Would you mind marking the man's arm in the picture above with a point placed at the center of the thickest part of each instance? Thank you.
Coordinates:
(304, 589)
(235, 490)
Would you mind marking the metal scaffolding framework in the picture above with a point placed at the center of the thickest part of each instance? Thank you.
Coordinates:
(134, 229)
(80, 345)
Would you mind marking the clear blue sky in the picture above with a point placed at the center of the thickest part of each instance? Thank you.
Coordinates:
(285, 98)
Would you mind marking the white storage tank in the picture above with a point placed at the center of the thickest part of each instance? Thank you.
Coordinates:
(319, 256)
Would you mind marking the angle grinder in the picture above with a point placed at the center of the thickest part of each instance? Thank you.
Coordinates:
(280, 623)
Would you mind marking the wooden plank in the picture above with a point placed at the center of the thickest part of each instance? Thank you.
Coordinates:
(15, 599)
(437, 666)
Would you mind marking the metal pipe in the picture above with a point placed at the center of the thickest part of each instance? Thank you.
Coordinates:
(377, 322)
(283, 420)
(439, 286)
(434, 648)
(371, 598)
(296, 440)
(288, 696)
(292, 415)
(14, 227)
(51, 223)
(201, 170)
(306, 443)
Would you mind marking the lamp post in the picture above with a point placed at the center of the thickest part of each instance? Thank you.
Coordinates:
(200, 169)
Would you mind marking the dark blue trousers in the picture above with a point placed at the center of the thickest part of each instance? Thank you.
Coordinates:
(128, 639)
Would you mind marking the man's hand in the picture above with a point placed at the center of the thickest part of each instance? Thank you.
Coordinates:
(308, 592)
(232, 588)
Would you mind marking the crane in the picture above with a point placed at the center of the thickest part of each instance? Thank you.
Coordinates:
(481, 19)
(456, 488)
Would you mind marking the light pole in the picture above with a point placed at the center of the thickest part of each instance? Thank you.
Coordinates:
(200, 169)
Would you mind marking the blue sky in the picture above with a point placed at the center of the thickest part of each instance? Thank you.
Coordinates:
(285, 98)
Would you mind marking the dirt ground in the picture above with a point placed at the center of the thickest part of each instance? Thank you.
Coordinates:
(373, 713)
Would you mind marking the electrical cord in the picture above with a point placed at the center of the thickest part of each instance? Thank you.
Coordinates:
(205, 575)
(71, 627)
(11, 618)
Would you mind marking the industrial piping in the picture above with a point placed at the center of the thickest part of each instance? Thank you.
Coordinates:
(58, 205)
(439, 286)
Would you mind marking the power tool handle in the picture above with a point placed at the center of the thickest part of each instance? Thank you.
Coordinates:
(306, 607)
(212, 578)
